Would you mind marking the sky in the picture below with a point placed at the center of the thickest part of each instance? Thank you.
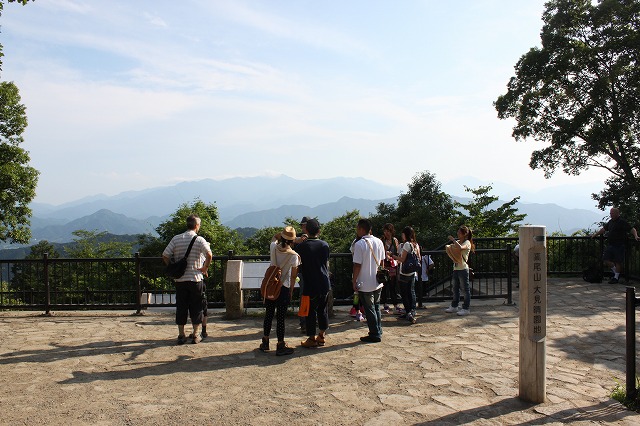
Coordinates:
(127, 95)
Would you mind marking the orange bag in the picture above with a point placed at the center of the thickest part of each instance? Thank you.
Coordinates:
(304, 306)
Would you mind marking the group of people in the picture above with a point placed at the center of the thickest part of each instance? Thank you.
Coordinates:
(305, 259)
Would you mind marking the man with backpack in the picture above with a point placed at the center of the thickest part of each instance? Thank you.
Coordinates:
(189, 286)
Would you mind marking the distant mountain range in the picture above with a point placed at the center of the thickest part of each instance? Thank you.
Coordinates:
(253, 202)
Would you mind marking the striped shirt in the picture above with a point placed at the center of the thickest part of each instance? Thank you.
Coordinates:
(178, 247)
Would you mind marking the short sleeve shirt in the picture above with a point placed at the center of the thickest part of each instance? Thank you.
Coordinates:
(617, 231)
(285, 260)
(177, 248)
(362, 255)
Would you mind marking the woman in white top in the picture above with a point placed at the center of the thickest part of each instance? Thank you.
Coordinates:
(283, 256)
(407, 280)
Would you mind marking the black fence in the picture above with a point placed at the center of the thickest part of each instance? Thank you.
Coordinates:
(61, 284)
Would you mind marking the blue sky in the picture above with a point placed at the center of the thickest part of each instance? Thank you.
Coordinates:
(126, 95)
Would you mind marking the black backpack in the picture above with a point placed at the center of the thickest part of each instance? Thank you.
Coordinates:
(592, 274)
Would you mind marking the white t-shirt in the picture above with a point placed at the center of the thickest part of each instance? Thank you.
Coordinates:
(363, 256)
(408, 247)
(285, 260)
(426, 262)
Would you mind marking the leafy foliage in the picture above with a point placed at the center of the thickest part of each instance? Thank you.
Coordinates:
(424, 206)
(38, 250)
(340, 232)
(259, 242)
(485, 221)
(579, 94)
(17, 179)
(93, 245)
(221, 238)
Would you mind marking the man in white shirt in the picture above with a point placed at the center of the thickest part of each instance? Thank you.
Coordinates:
(190, 286)
(368, 254)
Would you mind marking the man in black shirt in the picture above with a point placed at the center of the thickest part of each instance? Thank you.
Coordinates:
(617, 229)
(314, 254)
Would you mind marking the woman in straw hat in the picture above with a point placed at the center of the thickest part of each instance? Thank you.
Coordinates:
(287, 259)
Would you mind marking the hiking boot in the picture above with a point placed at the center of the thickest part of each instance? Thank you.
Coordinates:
(264, 346)
(370, 339)
(452, 309)
(411, 318)
(320, 340)
(283, 349)
(311, 342)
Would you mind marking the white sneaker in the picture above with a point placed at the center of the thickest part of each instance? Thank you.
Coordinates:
(452, 309)
(463, 312)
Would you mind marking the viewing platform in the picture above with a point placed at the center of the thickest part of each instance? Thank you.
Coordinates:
(113, 368)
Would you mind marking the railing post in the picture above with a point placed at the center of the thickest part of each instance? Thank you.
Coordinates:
(138, 285)
(631, 343)
(47, 288)
(625, 266)
(509, 272)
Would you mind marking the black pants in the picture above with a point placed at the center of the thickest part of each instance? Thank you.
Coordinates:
(390, 291)
(189, 301)
(317, 311)
(279, 307)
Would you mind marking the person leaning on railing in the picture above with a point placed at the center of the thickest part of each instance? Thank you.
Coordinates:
(616, 229)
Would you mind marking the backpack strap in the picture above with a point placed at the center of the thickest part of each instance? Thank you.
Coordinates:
(374, 255)
(193, 240)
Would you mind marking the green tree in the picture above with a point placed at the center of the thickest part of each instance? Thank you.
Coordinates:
(17, 179)
(484, 220)
(340, 232)
(38, 250)
(259, 242)
(424, 206)
(221, 238)
(96, 245)
(579, 94)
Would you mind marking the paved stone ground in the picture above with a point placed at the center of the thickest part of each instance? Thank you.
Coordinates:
(112, 368)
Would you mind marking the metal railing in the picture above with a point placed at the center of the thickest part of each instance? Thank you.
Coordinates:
(117, 283)
(632, 302)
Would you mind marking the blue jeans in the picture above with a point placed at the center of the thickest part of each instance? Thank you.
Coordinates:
(407, 284)
(461, 277)
(370, 301)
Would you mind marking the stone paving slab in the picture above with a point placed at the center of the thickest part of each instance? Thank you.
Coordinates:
(112, 368)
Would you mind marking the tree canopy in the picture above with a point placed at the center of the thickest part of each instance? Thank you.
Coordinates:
(424, 206)
(221, 238)
(580, 94)
(484, 220)
(18, 180)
